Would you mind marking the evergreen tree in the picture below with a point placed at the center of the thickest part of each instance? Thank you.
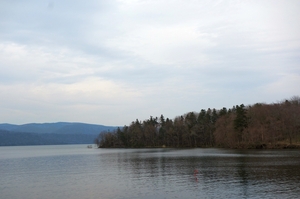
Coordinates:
(240, 121)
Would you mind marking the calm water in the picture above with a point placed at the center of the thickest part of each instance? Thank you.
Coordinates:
(74, 171)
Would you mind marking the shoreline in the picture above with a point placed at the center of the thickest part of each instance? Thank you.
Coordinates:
(242, 146)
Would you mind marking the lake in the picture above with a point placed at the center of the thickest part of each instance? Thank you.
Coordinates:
(74, 171)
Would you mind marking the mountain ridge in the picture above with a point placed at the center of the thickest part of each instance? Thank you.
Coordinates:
(57, 127)
(50, 133)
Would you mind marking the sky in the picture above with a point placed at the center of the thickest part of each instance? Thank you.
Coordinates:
(112, 62)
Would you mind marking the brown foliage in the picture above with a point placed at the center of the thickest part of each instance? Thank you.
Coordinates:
(256, 126)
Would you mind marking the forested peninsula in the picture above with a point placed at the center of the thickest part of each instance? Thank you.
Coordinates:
(261, 125)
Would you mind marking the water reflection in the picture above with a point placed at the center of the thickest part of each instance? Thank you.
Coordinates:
(149, 173)
(243, 173)
(220, 173)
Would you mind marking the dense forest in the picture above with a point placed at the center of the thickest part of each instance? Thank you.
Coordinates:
(260, 125)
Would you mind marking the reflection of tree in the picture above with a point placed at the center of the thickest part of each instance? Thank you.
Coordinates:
(239, 173)
(243, 173)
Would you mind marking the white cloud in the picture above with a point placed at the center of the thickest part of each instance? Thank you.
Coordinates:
(112, 62)
(47, 100)
(284, 84)
(39, 63)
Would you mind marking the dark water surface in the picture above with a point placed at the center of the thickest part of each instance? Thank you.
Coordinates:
(74, 171)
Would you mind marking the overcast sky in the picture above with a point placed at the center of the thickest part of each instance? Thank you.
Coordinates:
(111, 62)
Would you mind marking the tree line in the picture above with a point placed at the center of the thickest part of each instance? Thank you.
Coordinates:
(260, 125)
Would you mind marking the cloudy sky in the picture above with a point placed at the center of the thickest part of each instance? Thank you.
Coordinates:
(111, 62)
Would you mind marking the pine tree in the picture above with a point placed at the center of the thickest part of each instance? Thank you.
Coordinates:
(240, 121)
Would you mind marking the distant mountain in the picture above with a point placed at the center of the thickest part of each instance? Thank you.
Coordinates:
(8, 138)
(50, 133)
(58, 128)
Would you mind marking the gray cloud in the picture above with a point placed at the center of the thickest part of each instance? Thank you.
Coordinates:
(114, 61)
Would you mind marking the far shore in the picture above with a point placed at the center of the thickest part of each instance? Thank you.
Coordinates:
(241, 146)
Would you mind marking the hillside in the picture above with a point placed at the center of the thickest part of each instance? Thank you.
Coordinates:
(260, 125)
(50, 133)
(58, 128)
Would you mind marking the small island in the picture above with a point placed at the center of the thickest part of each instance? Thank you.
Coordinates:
(258, 126)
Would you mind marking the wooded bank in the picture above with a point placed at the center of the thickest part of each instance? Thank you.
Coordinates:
(260, 125)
